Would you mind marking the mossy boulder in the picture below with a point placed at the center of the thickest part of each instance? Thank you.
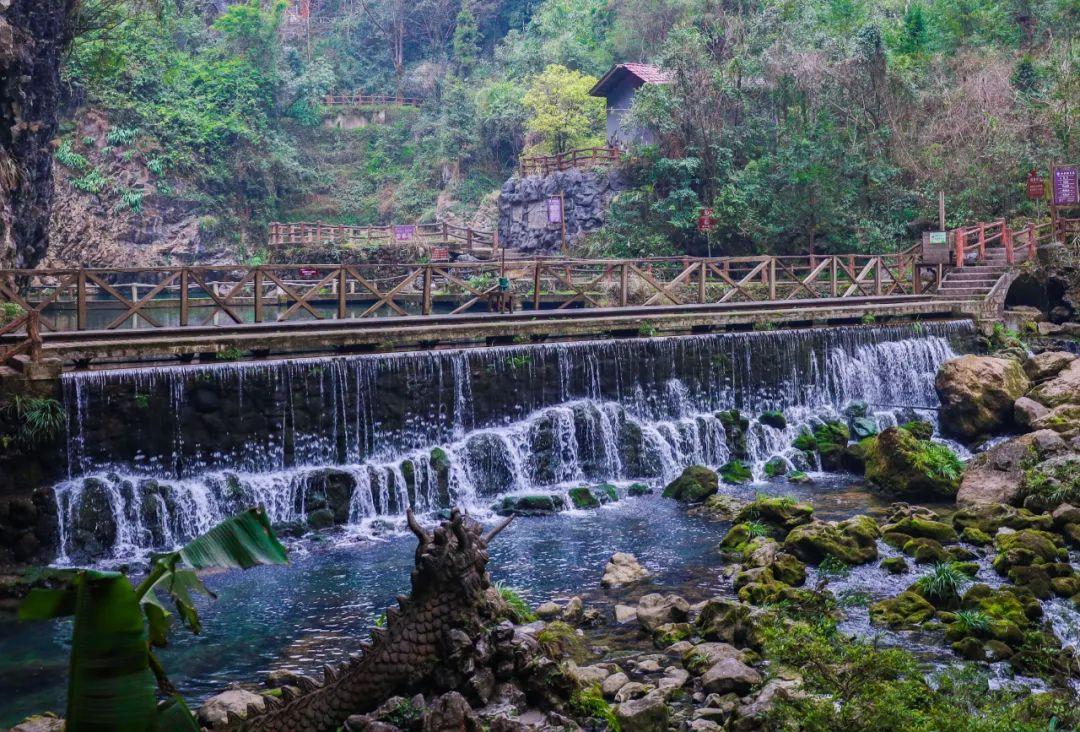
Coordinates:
(776, 467)
(1025, 548)
(863, 427)
(975, 535)
(853, 541)
(777, 511)
(920, 428)
(530, 505)
(906, 610)
(830, 441)
(696, 483)
(669, 634)
(736, 472)
(735, 427)
(926, 551)
(637, 490)
(977, 395)
(916, 526)
(583, 498)
(799, 477)
(895, 565)
(736, 538)
(773, 419)
(903, 465)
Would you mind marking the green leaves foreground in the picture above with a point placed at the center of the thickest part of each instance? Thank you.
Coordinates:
(114, 677)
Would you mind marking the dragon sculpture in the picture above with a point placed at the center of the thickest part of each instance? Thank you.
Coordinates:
(449, 584)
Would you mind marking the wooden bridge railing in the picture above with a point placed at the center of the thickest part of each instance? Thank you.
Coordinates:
(27, 342)
(582, 159)
(359, 99)
(1018, 242)
(223, 294)
(442, 233)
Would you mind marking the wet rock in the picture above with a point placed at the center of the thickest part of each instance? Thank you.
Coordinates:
(623, 569)
(752, 713)
(587, 675)
(450, 713)
(779, 512)
(625, 614)
(674, 678)
(728, 621)
(638, 489)
(975, 535)
(995, 476)
(919, 527)
(1027, 411)
(903, 465)
(906, 610)
(611, 685)
(574, 611)
(1063, 419)
(696, 483)
(284, 677)
(736, 472)
(926, 551)
(1066, 514)
(853, 541)
(47, 722)
(632, 690)
(321, 519)
(669, 634)
(654, 610)
(704, 656)
(1025, 548)
(548, 611)
(730, 675)
(530, 505)
(977, 394)
(215, 711)
(894, 565)
(773, 419)
(647, 714)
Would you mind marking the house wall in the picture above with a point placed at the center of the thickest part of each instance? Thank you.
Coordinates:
(619, 102)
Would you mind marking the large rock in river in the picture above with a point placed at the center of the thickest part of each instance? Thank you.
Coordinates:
(1062, 389)
(977, 394)
(695, 484)
(994, 476)
(901, 464)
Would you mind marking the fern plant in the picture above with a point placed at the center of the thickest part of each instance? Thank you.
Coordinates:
(92, 182)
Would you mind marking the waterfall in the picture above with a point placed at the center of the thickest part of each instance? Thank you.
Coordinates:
(158, 455)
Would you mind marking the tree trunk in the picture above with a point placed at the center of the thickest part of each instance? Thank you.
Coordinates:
(34, 35)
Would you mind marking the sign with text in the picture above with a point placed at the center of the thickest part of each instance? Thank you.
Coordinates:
(440, 254)
(939, 237)
(1066, 191)
(309, 272)
(1036, 186)
(706, 222)
(935, 247)
(554, 210)
(404, 233)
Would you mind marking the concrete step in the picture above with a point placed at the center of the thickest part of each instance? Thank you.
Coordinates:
(972, 281)
(972, 274)
(962, 292)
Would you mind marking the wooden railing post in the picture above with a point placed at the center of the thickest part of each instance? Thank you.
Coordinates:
(1032, 249)
(916, 279)
(877, 275)
(80, 301)
(536, 285)
(624, 280)
(426, 306)
(341, 302)
(960, 243)
(772, 277)
(982, 243)
(33, 334)
(184, 305)
(257, 294)
(834, 284)
(1006, 236)
(701, 282)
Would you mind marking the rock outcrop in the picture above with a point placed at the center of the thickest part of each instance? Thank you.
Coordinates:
(977, 395)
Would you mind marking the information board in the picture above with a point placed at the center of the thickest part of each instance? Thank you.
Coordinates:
(404, 233)
(1066, 191)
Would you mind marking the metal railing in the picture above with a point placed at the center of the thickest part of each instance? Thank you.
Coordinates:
(233, 294)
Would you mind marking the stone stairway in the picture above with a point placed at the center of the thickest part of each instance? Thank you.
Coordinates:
(976, 280)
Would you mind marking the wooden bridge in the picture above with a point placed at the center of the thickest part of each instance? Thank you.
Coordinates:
(84, 316)
(306, 234)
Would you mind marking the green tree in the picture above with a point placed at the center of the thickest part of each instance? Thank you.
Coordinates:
(915, 38)
(562, 115)
(467, 39)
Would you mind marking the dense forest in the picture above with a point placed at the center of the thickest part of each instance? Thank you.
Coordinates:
(828, 123)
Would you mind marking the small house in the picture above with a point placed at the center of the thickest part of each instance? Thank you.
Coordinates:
(619, 86)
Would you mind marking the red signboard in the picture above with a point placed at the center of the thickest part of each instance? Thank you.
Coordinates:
(706, 222)
(309, 272)
(404, 233)
(1066, 191)
(440, 254)
(554, 210)
(1036, 186)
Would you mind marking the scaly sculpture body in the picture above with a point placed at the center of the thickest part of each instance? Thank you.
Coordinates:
(448, 592)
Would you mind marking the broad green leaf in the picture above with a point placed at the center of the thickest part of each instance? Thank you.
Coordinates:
(158, 619)
(174, 716)
(246, 540)
(42, 604)
(110, 685)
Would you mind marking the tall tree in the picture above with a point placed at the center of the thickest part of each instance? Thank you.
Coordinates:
(390, 18)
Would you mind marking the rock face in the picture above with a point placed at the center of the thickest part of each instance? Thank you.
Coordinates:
(623, 569)
(994, 476)
(34, 36)
(523, 208)
(977, 394)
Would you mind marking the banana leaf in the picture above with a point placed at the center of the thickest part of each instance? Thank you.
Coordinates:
(174, 716)
(110, 685)
(244, 541)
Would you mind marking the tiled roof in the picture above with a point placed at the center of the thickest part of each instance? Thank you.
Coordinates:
(646, 73)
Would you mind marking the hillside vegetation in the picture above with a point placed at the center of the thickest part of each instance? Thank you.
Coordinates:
(827, 123)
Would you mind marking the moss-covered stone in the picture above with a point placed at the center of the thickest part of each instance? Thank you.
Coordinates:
(977, 394)
(671, 633)
(915, 526)
(606, 493)
(736, 472)
(851, 541)
(895, 565)
(775, 467)
(906, 610)
(789, 570)
(903, 465)
(1034, 578)
(773, 419)
(736, 538)
(638, 489)
(1066, 586)
(863, 427)
(735, 427)
(975, 535)
(777, 511)
(583, 498)
(920, 428)
(1025, 548)
(799, 476)
(926, 551)
(895, 539)
(530, 505)
(696, 483)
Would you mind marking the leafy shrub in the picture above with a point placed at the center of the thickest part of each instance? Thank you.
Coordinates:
(756, 529)
(10, 311)
(92, 182)
(121, 136)
(832, 567)
(647, 330)
(40, 418)
(156, 166)
(231, 353)
(1057, 483)
(131, 200)
(972, 622)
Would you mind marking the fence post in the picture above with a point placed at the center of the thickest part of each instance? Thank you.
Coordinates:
(1006, 235)
(877, 276)
(701, 282)
(624, 280)
(184, 274)
(341, 292)
(257, 287)
(426, 307)
(33, 334)
(536, 285)
(1032, 249)
(771, 274)
(80, 300)
(834, 284)
(960, 242)
(982, 243)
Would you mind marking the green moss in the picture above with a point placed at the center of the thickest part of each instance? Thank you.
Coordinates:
(670, 633)
(906, 610)
(1053, 482)
(696, 483)
(583, 498)
(920, 429)
(974, 535)
(773, 418)
(638, 489)
(589, 703)
(942, 584)
(902, 464)
(558, 640)
(775, 467)
(736, 472)
(798, 476)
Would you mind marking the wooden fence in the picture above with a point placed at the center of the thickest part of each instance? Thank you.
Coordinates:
(359, 99)
(207, 295)
(28, 326)
(583, 159)
(1019, 243)
(438, 234)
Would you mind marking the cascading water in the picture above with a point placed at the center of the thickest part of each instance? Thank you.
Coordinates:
(158, 455)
